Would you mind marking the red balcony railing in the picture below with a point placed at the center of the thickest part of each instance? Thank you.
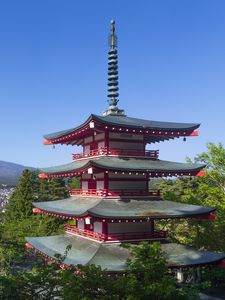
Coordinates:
(115, 192)
(116, 236)
(117, 152)
(89, 192)
(87, 233)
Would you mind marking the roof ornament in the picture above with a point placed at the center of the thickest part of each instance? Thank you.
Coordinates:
(113, 89)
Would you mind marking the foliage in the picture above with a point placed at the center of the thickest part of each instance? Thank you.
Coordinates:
(147, 278)
(74, 182)
(18, 221)
(20, 204)
(215, 163)
(52, 189)
(12, 236)
(206, 191)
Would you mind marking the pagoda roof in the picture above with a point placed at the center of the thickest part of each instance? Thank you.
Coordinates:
(164, 130)
(112, 256)
(122, 208)
(145, 124)
(125, 164)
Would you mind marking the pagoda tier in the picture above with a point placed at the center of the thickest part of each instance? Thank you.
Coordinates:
(113, 220)
(152, 131)
(112, 256)
(132, 208)
(124, 166)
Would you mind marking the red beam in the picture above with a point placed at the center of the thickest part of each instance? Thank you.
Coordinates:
(47, 142)
(194, 133)
(36, 210)
(201, 173)
(43, 175)
(29, 246)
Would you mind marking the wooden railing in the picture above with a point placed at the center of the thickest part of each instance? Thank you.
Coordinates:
(116, 236)
(117, 152)
(115, 192)
(89, 192)
(87, 233)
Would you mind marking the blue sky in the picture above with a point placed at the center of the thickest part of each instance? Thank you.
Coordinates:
(53, 70)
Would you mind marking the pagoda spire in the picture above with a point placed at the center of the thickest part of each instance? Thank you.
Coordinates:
(113, 89)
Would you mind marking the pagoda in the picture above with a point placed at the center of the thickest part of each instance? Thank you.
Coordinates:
(114, 204)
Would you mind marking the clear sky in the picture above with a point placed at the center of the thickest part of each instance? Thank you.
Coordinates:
(53, 70)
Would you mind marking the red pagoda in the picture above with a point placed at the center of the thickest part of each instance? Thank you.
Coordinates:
(114, 204)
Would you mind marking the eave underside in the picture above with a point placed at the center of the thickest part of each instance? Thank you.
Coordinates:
(124, 208)
(112, 257)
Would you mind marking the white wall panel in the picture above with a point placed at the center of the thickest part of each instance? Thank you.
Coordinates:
(98, 227)
(84, 185)
(80, 224)
(100, 185)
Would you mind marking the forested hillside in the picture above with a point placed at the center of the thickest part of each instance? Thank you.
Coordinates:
(10, 172)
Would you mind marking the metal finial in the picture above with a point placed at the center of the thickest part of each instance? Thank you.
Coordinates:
(113, 84)
(112, 37)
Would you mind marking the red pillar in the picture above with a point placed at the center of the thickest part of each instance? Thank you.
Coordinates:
(106, 181)
(105, 227)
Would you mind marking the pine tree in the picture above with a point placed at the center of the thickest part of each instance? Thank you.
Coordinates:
(20, 203)
(18, 221)
(52, 189)
(74, 182)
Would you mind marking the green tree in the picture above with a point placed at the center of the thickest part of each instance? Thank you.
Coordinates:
(18, 221)
(20, 203)
(215, 163)
(52, 189)
(205, 191)
(147, 278)
(74, 182)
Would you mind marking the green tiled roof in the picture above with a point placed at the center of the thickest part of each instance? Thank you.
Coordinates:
(129, 123)
(58, 134)
(83, 251)
(146, 124)
(112, 256)
(72, 206)
(125, 164)
(181, 255)
(127, 208)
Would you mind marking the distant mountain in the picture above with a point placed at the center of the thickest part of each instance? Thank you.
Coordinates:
(10, 172)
